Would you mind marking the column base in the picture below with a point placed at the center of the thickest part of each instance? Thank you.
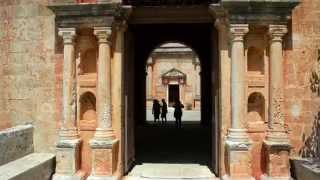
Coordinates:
(278, 136)
(67, 159)
(277, 159)
(238, 136)
(266, 177)
(239, 157)
(104, 159)
(77, 176)
(92, 177)
(226, 177)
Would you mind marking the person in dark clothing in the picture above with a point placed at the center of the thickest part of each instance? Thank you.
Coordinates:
(178, 112)
(156, 110)
(164, 111)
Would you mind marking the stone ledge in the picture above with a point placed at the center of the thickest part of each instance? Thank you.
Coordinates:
(35, 166)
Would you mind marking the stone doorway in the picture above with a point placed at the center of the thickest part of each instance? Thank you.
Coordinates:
(140, 43)
(174, 93)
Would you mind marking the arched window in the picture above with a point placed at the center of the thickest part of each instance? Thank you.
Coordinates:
(255, 61)
(256, 107)
(88, 106)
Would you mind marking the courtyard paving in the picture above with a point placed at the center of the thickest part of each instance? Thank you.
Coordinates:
(187, 115)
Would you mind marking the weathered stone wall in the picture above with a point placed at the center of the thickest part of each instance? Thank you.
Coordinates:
(183, 63)
(27, 39)
(15, 143)
(302, 104)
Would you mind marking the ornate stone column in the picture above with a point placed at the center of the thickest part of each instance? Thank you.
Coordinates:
(103, 143)
(68, 146)
(277, 141)
(198, 80)
(238, 144)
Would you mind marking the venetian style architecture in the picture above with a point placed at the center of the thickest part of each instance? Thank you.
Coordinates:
(79, 70)
(173, 72)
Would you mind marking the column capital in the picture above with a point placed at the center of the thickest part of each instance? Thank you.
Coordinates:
(276, 32)
(121, 25)
(103, 34)
(68, 35)
(238, 31)
(221, 23)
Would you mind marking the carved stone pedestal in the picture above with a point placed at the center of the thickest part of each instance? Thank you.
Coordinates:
(67, 159)
(104, 159)
(238, 155)
(277, 159)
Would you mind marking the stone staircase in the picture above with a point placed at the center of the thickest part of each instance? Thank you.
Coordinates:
(17, 158)
(170, 172)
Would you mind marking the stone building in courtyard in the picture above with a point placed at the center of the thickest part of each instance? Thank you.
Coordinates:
(76, 70)
(173, 72)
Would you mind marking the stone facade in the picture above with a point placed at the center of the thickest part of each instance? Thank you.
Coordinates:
(32, 57)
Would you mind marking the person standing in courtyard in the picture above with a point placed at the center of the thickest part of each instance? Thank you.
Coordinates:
(164, 111)
(156, 110)
(178, 112)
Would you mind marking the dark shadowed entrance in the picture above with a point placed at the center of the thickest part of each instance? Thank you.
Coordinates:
(195, 143)
(173, 93)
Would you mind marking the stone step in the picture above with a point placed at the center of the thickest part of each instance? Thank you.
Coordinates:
(35, 166)
(170, 172)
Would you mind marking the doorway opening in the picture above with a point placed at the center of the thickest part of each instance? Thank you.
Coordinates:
(148, 141)
(174, 93)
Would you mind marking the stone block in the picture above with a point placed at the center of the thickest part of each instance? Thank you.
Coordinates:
(277, 160)
(35, 166)
(67, 157)
(15, 143)
(104, 158)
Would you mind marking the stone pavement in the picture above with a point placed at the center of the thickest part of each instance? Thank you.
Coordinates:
(165, 152)
(170, 171)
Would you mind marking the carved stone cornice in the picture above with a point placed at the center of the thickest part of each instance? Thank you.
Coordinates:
(276, 32)
(103, 34)
(68, 35)
(238, 31)
(259, 11)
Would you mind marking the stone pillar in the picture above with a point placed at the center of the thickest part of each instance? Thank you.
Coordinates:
(238, 144)
(277, 142)
(149, 81)
(67, 157)
(198, 80)
(103, 144)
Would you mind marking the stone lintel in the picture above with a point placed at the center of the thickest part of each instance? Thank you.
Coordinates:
(103, 144)
(73, 143)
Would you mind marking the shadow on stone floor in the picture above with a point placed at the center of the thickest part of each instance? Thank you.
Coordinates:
(157, 143)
